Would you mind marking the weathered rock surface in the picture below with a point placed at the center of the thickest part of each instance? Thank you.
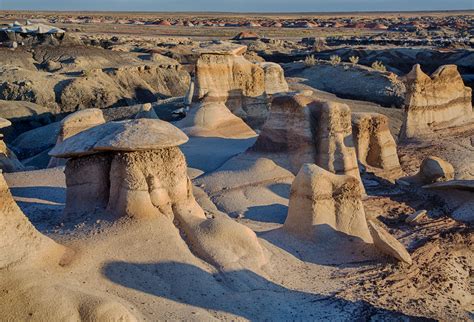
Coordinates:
(133, 135)
(288, 130)
(108, 79)
(375, 145)
(135, 170)
(435, 102)
(8, 160)
(388, 244)
(24, 117)
(310, 131)
(274, 78)
(326, 206)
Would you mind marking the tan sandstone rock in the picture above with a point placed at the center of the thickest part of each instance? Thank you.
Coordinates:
(435, 102)
(375, 145)
(310, 131)
(388, 244)
(326, 206)
(288, 130)
(274, 78)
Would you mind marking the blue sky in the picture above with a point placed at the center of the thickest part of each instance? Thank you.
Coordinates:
(238, 5)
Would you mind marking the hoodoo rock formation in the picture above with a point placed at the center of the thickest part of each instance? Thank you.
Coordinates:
(375, 145)
(323, 205)
(134, 169)
(239, 83)
(435, 102)
(328, 209)
(310, 131)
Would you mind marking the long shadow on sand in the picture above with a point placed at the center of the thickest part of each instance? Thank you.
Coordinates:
(255, 299)
(326, 247)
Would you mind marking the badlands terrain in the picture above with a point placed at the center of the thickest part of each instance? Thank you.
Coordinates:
(236, 167)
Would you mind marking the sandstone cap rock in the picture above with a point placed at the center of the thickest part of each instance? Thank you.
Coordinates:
(132, 135)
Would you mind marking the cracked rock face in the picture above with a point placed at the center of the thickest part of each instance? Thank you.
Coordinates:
(326, 206)
(435, 102)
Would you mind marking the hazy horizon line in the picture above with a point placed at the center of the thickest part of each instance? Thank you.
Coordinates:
(241, 12)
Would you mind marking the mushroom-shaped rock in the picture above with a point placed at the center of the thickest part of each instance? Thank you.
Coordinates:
(212, 118)
(326, 206)
(20, 242)
(375, 146)
(437, 102)
(146, 112)
(388, 244)
(135, 169)
(74, 124)
(88, 170)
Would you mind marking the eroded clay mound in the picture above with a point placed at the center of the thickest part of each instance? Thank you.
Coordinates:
(326, 206)
(212, 118)
(435, 102)
(20, 242)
